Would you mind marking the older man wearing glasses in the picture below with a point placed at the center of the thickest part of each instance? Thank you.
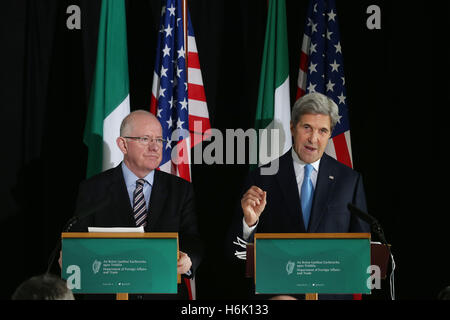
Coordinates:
(138, 195)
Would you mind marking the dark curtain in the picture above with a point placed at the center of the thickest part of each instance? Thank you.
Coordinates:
(46, 72)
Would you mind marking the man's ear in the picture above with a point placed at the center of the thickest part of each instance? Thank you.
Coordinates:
(292, 129)
(122, 144)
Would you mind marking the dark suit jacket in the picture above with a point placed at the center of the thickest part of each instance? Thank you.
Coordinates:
(103, 202)
(336, 186)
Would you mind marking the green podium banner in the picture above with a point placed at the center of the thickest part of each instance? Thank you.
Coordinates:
(312, 263)
(120, 263)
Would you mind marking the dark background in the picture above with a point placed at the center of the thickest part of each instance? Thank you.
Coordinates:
(397, 93)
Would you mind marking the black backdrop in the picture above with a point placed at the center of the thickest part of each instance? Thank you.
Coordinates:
(397, 124)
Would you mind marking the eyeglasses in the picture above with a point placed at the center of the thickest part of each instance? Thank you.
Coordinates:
(147, 140)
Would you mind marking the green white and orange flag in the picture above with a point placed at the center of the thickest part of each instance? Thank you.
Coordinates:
(109, 100)
(273, 108)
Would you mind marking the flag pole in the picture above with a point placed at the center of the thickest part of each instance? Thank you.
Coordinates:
(188, 282)
(185, 26)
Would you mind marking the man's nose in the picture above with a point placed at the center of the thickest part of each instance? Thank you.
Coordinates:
(153, 145)
(313, 137)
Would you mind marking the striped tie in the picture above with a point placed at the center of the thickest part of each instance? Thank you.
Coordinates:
(139, 206)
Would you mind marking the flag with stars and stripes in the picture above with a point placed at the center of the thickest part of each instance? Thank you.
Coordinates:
(178, 96)
(322, 70)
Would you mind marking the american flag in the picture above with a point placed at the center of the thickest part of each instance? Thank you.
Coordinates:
(322, 70)
(178, 96)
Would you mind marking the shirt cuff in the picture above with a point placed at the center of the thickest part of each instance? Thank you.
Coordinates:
(246, 230)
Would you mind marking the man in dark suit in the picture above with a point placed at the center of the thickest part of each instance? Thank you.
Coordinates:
(310, 190)
(135, 194)
(279, 208)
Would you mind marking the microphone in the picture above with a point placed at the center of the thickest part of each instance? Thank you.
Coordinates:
(376, 228)
(83, 214)
(374, 224)
(78, 216)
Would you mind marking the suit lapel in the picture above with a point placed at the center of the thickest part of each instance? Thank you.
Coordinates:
(322, 193)
(122, 207)
(289, 188)
(157, 198)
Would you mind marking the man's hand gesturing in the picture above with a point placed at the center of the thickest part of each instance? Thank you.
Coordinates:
(253, 203)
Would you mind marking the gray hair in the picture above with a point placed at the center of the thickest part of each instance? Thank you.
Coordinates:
(43, 287)
(315, 103)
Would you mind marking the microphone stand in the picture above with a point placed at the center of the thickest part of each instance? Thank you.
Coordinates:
(57, 248)
(376, 228)
(79, 215)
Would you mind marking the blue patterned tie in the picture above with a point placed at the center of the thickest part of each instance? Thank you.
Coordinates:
(139, 206)
(307, 194)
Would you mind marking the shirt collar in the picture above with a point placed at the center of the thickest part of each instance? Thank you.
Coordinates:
(130, 177)
(299, 164)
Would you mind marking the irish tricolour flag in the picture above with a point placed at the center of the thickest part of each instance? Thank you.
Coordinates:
(273, 108)
(109, 99)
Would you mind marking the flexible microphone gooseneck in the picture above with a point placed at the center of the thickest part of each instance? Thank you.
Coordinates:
(79, 216)
(378, 230)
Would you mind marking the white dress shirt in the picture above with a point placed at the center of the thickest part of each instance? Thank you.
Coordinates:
(299, 169)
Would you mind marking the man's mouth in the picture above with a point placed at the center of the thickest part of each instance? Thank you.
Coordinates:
(310, 148)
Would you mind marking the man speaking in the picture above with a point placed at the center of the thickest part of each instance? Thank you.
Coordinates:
(310, 191)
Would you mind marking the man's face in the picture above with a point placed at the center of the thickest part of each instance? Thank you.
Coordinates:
(140, 158)
(311, 136)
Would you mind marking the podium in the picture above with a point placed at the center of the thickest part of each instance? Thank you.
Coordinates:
(312, 263)
(120, 263)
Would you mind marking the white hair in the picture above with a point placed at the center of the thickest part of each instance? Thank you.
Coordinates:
(315, 103)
